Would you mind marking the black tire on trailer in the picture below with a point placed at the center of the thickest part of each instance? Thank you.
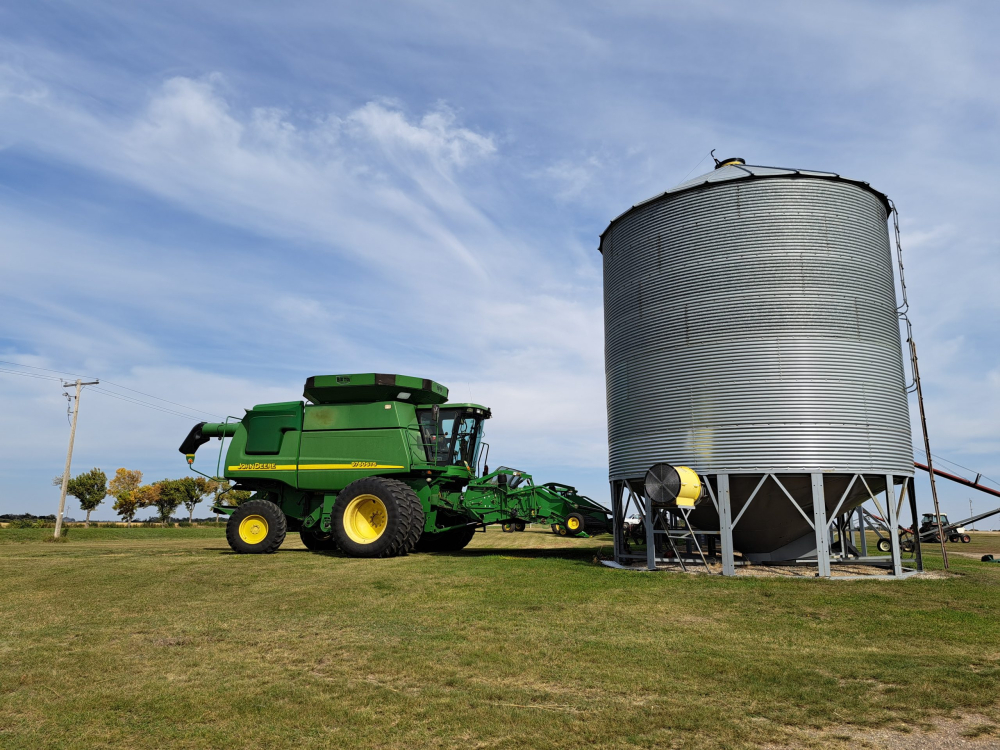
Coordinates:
(884, 545)
(554, 527)
(520, 525)
(907, 545)
(966, 538)
(575, 524)
(561, 529)
(318, 540)
(508, 527)
(257, 527)
(446, 541)
(377, 517)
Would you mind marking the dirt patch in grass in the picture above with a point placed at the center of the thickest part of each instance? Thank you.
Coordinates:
(964, 732)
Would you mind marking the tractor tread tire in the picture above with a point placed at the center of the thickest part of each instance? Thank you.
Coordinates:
(417, 522)
(408, 512)
(275, 520)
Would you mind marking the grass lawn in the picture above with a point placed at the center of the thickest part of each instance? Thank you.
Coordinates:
(154, 638)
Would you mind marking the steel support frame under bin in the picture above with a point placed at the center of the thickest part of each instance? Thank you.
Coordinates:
(825, 525)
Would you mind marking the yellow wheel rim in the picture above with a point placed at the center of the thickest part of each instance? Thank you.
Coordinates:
(365, 519)
(253, 529)
(573, 524)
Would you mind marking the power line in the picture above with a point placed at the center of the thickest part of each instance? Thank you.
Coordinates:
(33, 367)
(108, 382)
(118, 396)
(29, 375)
(981, 475)
(137, 402)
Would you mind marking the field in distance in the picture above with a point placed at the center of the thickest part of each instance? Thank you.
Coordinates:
(152, 638)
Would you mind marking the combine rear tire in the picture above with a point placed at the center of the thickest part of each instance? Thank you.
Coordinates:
(446, 541)
(377, 517)
(318, 541)
(257, 527)
(575, 524)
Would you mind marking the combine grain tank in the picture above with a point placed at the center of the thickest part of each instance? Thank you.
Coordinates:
(751, 332)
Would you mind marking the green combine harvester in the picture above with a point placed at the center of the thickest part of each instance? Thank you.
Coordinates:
(377, 466)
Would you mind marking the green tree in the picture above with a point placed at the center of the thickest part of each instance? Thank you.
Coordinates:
(124, 487)
(203, 488)
(90, 488)
(170, 495)
(236, 497)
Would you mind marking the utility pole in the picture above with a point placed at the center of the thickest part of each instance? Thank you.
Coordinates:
(971, 514)
(69, 453)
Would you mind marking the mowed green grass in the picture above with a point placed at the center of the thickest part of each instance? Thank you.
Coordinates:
(150, 638)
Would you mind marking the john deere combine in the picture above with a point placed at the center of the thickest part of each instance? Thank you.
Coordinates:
(377, 466)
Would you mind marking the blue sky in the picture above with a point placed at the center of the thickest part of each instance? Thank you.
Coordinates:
(209, 202)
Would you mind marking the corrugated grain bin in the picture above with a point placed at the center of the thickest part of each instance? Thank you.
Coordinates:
(751, 327)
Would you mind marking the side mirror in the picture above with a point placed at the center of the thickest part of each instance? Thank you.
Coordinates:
(436, 413)
(486, 469)
(502, 480)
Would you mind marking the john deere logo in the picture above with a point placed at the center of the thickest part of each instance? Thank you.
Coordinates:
(256, 467)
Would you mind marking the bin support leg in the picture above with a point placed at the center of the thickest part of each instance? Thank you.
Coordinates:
(916, 524)
(861, 528)
(726, 526)
(820, 527)
(650, 534)
(890, 501)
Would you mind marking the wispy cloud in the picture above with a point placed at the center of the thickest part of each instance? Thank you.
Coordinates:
(218, 200)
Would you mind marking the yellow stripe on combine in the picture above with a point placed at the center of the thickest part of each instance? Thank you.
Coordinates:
(261, 467)
(355, 465)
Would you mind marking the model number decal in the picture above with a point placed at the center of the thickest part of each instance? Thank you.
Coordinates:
(313, 467)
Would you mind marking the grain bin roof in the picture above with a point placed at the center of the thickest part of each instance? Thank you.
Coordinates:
(729, 172)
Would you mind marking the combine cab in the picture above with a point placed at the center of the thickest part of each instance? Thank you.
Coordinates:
(376, 466)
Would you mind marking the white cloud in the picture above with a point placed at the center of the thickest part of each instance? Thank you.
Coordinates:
(458, 240)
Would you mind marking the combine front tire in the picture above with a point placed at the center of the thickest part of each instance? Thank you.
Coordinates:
(377, 517)
(257, 527)
(318, 541)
